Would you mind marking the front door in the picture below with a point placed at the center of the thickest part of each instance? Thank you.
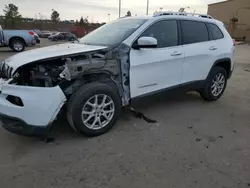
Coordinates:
(155, 69)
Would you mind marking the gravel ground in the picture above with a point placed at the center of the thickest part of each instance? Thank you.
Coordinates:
(195, 144)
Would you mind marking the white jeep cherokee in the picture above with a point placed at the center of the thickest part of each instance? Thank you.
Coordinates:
(125, 59)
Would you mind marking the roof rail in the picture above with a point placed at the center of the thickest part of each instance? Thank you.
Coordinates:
(182, 14)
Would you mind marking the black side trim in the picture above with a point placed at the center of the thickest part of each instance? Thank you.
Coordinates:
(147, 46)
(190, 86)
(179, 33)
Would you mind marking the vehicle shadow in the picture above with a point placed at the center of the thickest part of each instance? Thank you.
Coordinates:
(61, 129)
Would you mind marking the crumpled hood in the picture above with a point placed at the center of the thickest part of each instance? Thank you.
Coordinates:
(60, 50)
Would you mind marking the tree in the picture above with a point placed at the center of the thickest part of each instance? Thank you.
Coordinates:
(128, 14)
(155, 12)
(55, 16)
(77, 22)
(181, 9)
(81, 21)
(11, 13)
(84, 22)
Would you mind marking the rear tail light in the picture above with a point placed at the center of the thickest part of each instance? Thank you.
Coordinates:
(31, 32)
(234, 41)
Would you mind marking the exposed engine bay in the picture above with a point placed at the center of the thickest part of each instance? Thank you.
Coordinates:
(49, 73)
(72, 71)
(44, 74)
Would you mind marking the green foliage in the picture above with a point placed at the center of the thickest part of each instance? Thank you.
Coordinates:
(128, 14)
(55, 16)
(11, 11)
(182, 9)
(11, 15)
(84, 22)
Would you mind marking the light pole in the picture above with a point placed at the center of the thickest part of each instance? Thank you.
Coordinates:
(119, 8)
(109, 17)
(147, 6)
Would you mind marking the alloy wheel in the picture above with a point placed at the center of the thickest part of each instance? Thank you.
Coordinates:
(218, 84)
(18, 46)
(98, 111)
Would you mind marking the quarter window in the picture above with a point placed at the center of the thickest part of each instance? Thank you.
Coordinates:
(193, 32)
(215, 31)
(165, 32)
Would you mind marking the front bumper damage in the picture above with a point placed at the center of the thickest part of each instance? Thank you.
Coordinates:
(40, 107)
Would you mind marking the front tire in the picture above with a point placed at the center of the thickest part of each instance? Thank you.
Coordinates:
(216, 84)
(94, 109)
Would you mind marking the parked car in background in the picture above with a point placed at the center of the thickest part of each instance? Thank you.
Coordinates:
(37, 38)
(62, 36)
(38, 32)
(17, 40)
(45, 34)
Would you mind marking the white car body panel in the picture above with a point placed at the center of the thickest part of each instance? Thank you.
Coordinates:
(60, 50)
(198, 60)
(155, 69)
(41, 105)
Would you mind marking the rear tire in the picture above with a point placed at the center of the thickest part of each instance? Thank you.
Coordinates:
(216, 84)
(94, 109)
(17, 45)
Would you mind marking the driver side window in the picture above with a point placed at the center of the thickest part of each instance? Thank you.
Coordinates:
(165, 32)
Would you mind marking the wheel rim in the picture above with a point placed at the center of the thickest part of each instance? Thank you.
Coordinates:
(218, 84)
(18, 46)
(98, 111)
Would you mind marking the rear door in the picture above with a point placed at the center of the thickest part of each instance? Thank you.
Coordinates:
(153, 69)
(200, 51)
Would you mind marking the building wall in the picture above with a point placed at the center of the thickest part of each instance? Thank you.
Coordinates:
(225, 11)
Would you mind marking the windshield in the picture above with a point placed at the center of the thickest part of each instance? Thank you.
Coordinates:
(113, 33)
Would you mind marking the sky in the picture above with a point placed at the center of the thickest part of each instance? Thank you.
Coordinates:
(98, 10)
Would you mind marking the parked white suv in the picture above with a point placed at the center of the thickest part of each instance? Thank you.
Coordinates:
(110, 67)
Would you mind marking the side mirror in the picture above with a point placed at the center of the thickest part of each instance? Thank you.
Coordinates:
(146, 42)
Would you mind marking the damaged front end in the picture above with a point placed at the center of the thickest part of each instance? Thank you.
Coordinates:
(35, 92)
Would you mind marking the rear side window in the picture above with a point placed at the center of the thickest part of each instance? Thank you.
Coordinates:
(215, 31)
(193, 32)
(166, 33)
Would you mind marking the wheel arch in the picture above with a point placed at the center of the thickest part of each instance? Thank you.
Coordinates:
(17, 37)
(101, 77)
(225, 63)
(75, 104)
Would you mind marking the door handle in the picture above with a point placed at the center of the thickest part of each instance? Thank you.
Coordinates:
(213, 48)
(176, 54)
